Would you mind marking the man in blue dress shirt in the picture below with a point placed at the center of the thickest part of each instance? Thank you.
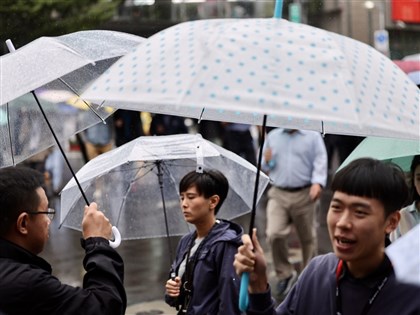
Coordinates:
(297, 163)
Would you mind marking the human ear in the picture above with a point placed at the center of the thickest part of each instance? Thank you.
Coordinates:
(22, 223)
(214, 201)
(392, 221)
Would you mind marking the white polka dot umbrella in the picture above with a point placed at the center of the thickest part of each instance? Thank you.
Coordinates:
(238, 70)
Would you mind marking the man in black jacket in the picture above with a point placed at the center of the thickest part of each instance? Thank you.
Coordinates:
(27, 285)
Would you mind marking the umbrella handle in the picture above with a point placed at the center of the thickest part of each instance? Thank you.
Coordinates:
(243, 292)
(117, 235)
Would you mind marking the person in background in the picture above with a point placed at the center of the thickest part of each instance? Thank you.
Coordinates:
(296, 161)
(238, 139)
(99, 139)
(163, 125)
(54, 165)
(410, 215)
(210, 130)
(37, 161)
(128, 126)
(358, 278)
(203, 280)
(341, 144)
(27, 285)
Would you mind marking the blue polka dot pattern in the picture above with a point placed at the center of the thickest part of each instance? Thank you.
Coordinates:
(240, 69)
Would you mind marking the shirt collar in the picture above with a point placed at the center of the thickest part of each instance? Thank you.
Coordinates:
(412, 207)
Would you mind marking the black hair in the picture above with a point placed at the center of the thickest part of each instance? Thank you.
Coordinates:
(208, 183)
(17, 194)
(367, 177)
(414, 163)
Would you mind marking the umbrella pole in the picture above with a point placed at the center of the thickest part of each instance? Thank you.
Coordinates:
(160, 177)
(61, 148)
(278, 9)
(243, 291)
(257, 178)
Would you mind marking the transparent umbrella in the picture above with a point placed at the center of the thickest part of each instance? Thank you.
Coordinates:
(136, 185)
(404, 254)
(44, 68)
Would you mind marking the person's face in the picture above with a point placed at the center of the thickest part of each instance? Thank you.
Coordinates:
(416, 178)
(195, 208)
(357, 228)
(38, 225)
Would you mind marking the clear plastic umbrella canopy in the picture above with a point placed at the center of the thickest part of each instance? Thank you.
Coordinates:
(238, 70)
(136, 185)
(50, 71)
(404, 254)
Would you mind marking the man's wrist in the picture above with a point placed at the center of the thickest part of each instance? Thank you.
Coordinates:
(93, 240)
(259, 286)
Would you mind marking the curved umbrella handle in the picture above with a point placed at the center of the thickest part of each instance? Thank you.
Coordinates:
(115, 243)
(243, 292)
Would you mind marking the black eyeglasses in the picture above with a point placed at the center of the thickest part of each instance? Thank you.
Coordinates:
(50, 213)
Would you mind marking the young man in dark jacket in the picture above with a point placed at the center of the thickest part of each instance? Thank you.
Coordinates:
(358, 278)
(26, 283)
(207, 284)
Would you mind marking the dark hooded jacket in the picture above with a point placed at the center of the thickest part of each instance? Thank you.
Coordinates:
(315, 293)
(215, 283)
(28, 287)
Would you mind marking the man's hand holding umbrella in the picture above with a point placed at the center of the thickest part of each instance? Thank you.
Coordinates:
(95, 223)
(250, 258)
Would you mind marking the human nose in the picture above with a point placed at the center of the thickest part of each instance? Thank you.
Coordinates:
(344, 220)
(183, 203)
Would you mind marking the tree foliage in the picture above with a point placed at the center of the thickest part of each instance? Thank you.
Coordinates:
(25, 20)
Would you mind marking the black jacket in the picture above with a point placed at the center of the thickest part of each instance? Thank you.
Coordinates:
(28, 287)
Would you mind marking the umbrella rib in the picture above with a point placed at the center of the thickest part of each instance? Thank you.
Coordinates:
(126, 193)
(10, 134)
(134, 168)
(201, 115)
(168, 173)
(160, 179)
(136, 178)
(61, 148)
(78, 95)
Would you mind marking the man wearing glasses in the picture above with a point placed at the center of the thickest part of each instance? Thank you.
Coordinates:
(27, 285)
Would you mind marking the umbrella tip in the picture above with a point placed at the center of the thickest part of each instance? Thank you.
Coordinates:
(10, 45)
